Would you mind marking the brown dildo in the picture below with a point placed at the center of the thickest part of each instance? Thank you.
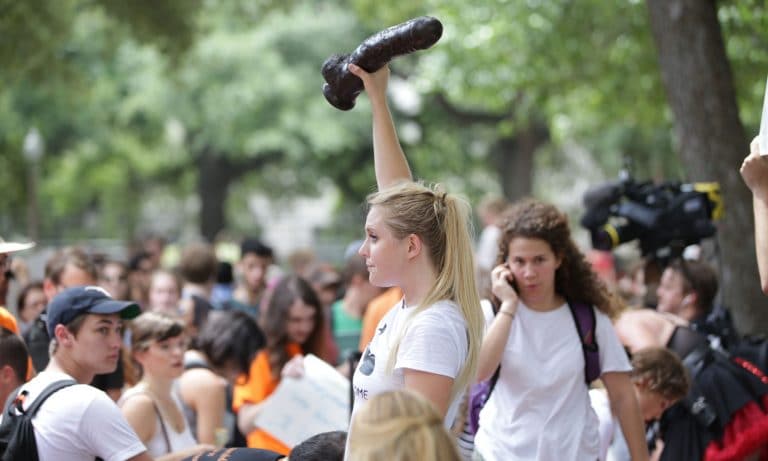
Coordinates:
(342, 87)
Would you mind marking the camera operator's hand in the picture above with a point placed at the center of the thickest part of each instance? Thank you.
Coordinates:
(502, 287)
(754, 170)
(375, 83)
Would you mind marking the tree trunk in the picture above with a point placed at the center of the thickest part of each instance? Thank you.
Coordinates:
(513, 159)
(213, 179)
(699, 85)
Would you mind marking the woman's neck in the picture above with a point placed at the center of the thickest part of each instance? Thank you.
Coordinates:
(159, 387)
(416, 289)
(545, 303)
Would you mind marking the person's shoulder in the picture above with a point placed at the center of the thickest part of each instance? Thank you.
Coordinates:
(135, 397)
(139, 405)
(445, 310)
(201, 381)
(442, 315)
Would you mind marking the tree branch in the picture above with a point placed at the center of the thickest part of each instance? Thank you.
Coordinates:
(467, 115)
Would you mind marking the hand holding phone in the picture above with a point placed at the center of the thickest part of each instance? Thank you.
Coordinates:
(503, 285)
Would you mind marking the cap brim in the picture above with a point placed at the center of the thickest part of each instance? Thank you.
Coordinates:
(10, 247)
(126, 309)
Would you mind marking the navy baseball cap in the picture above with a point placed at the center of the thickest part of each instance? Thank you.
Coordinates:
(70, 303)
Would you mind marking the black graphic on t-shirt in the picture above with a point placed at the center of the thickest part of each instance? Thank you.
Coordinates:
(384, 327)
(368, 363)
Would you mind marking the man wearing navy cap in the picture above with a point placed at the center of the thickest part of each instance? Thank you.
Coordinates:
(80, 422)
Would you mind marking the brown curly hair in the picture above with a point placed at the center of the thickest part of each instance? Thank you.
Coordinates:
(574, 279)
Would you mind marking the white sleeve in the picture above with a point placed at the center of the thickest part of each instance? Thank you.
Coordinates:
(613, 357)
(434, 343)
(106, 432)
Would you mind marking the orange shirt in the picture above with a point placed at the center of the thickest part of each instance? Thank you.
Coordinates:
(259, 386)
(8, 321)
(376, 310)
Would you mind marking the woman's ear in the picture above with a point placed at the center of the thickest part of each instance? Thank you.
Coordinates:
(414, 245)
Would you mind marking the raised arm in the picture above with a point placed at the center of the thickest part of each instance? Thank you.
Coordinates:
(389, 159)
(754, 170)
(496, 337)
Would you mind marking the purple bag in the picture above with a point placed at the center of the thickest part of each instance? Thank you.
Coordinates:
(478, 395)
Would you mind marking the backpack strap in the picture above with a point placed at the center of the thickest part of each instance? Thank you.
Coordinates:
(584, 317)
(47, 392)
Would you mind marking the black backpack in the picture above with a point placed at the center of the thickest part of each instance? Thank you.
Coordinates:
(17, 435)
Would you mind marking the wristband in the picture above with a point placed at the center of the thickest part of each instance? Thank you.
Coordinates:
(511, 314)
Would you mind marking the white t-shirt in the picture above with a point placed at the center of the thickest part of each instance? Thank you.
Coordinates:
(599, 400)
(79, 423)
(540, 409)
(613, 447)
(435, 342)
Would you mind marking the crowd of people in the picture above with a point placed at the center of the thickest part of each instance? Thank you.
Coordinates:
(135, 360)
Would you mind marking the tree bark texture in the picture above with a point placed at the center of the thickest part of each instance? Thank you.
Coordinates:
(513, 159)
(214, 177)
(712, 143)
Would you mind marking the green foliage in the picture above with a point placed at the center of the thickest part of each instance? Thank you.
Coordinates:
(130, 96)
(586, 67)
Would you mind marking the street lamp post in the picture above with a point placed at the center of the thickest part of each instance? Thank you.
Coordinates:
(33, 151)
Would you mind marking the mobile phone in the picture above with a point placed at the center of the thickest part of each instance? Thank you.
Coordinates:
(513, 282)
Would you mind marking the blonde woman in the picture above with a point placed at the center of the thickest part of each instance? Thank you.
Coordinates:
(150, 406)
(417, 238)
(400, 426)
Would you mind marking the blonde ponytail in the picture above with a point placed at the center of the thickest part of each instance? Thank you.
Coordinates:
(443, 222)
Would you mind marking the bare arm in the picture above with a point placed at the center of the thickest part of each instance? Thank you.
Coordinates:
(435, 388)
(761, 240)
(389, 159)
(496, 338)
(206, 394)
(140, 414)
(141, 457)
(624, 406)
(754, 171)
(246, 417)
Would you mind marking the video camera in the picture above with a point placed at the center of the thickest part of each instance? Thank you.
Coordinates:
(664, 217)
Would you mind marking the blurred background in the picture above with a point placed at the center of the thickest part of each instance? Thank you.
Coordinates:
(204, 119)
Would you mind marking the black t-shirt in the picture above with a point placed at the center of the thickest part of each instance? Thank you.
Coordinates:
(237, 454)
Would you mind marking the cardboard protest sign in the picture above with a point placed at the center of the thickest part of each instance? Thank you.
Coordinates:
(300, 408)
